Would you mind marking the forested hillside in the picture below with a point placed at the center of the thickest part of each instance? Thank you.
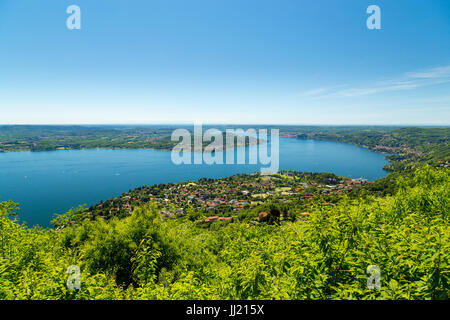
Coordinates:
(322, 255)
(68, 137)
(407, 147)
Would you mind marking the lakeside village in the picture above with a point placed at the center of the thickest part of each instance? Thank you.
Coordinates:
(211, 200)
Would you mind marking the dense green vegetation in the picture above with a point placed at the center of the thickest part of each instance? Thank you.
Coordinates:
(321, 256)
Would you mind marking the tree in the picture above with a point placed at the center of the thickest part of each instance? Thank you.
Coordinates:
(274, 216)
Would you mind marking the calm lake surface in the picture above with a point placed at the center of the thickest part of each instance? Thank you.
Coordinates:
(51, 182)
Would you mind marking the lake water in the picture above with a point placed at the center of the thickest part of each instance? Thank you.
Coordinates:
(51, 182)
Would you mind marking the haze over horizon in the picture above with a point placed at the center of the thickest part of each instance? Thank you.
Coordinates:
(226, 123)
(225, 62)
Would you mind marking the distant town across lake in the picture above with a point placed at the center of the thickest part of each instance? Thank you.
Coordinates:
(45, 183)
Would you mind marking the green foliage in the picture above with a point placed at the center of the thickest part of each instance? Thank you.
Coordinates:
(8, 208)
(324, 255)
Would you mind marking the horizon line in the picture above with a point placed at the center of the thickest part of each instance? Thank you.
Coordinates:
(224, 123)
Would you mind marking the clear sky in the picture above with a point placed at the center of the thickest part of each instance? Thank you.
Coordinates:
(225, 61)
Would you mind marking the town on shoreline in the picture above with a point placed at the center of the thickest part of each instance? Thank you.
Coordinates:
(242, 195)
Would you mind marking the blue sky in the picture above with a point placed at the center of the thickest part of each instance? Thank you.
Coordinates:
(225, 61)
